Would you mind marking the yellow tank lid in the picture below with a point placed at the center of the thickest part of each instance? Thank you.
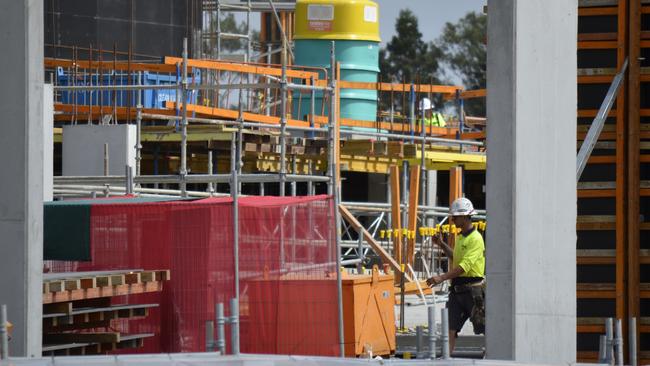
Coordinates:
(337, 20)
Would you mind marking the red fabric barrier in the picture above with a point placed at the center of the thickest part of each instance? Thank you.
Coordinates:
(288, 301)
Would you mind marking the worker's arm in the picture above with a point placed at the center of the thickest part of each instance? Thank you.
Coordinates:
(437, 239)
(445, 276)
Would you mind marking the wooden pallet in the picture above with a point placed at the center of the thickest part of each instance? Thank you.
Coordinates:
(65, 316)
(72, 286)
(91, 344)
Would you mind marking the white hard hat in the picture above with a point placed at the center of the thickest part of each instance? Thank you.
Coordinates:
(425, 104)
(462, 207)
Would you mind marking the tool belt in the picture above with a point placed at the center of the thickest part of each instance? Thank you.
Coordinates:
(468, 286)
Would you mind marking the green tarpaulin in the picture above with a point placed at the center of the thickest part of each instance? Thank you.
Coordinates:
(66, 234)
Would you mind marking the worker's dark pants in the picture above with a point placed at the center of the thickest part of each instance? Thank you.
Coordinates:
(467, 304)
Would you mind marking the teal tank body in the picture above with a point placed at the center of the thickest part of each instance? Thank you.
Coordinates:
(359, 62)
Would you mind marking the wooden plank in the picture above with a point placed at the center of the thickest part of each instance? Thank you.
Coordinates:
(90, 303)
(595, 79)
(234, 114)
(596, 253)
(116, 280)
(597, 45)
(385, 256)
(596, 260)
(163, 275)
(470, 94)
(82, 112)
(117, 290)
(132, 278)
(596, 219)
(414, 195)
(420, 88)
(88, 282)
(102, 281)
(590, 321)
(58, 338)
(396, 215)
(587, 113)
(148, 276)
(58, 308)
(596, 294)
(591, 328)
(53, 325)
(595, 286)
(602, 159)
(597, 193)
(596, 37)
(244, 68)
(72, 284)
(54, 286)
(411, 288)
(596, 11)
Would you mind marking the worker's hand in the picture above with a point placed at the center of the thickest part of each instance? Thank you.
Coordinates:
(434, 280)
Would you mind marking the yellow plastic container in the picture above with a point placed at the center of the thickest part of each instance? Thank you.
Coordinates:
(337, 20)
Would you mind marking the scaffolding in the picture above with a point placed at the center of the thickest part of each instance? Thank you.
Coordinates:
(280, 80)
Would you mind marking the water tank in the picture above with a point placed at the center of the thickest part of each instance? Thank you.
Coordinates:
(354, 27)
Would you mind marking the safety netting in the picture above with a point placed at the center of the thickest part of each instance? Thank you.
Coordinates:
(287, 269)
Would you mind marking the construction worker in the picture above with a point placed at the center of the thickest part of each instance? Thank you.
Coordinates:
(431, 118)
(467, 290)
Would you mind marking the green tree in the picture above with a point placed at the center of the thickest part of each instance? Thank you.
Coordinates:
(464, 53)
(228, 25)
(408, 58)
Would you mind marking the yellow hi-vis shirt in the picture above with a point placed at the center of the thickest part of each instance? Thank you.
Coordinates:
(469, 254)
(436, 120)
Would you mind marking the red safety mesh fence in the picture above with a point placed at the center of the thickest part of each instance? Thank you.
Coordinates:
(288, 302)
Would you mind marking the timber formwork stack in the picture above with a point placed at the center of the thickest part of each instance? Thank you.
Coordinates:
(613, 248)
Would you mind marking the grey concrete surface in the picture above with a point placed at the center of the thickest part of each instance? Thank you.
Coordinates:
(48, 142)
(21, 179)
(531, 188)
(83, 149)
